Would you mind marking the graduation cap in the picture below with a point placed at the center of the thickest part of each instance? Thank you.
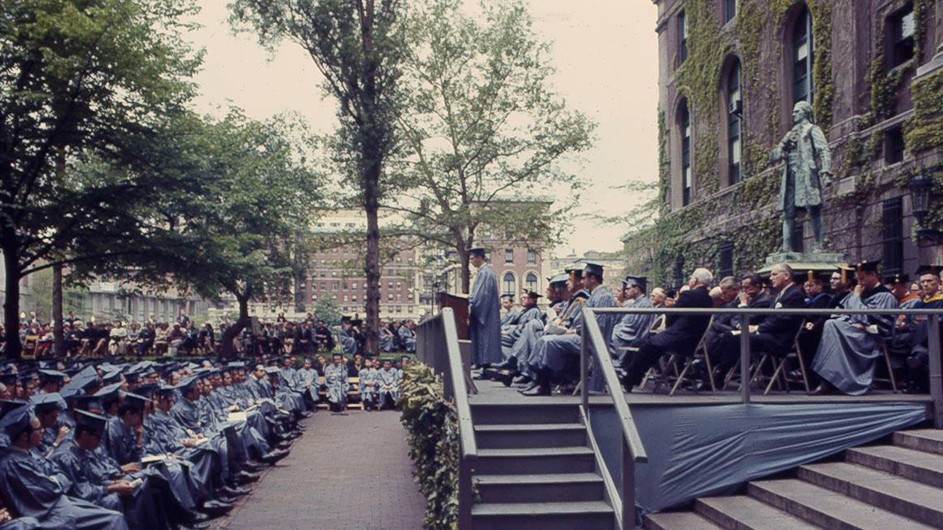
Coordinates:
(187, 383)
(47, 402)
(895, 279)
(844, 270)
(82, 381)
(636, 281)
(867, 266)
(238, 365)
(533, 295)
(16, 421)
(111, 377)
(8, 379)
(272, 370)
(593, 268)
(929, 269)
(574, 269)
(90, 421)
(477, 251)
(88, 403)
(558, 279)
(147, 390)
(9, 405)
(109, 393)
(507, 297)
(135, 401)
(165, 390)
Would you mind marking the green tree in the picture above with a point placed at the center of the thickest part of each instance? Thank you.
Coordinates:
(484, 132)
(357, 46)
(77, 77)
(328, 309)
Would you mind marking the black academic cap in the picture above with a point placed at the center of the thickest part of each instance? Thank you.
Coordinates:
(894, 279)
(533, 295)
(9, 405)
(636, 281)
(868, 266)
(929, 269)
(90, 421)
(477, 251)
(48, 401)
(507, 296)
(136, 401)
(16, 421)
(593, 268)
(88, 403)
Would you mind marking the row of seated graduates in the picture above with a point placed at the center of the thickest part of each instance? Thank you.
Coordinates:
(142, 445)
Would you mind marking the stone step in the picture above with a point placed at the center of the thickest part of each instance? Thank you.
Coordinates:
(677, 521)
(508, 436)
(544, 516)
(534, 461)
(741, 512)
(904, 497)
(928, 440)
(544, 412)
(912, 464)
(825, 508)
(542, 487)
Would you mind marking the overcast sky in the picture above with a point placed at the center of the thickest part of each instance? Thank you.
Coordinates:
(605, 52)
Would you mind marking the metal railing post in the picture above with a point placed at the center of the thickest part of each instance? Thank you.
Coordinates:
(584, 361)
(936, 384)
(465, 498)
(745, 381)
(628, 486)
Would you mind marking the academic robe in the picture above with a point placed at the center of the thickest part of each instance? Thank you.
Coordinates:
(387, 384)
(632, 327)
(484, 314)
(847, 355)
(335, 379)
(512, 333)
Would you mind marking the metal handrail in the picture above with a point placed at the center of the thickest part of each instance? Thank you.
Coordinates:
(933, 336)
(436, 336)
(633, 449)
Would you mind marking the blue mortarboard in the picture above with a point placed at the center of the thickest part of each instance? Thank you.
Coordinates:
(93, 422)
(164, 390)
(637, 281)
(187, 383)
(82, 381)
(48, 401)
(111, 377)
(507, 296)
(593, 268)
(135, 400)
(272, 370)
(109, 393)
(477, 251)
(9, 405)
(16, 421)
(558, 279)
(147, 390)
(88, 403)
(238, 365)
(574, 269)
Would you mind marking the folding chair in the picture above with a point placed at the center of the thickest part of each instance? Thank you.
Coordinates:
(882, 344)
(780, 371)
(699, 351)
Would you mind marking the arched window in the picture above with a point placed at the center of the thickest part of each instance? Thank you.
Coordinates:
(531, 281)
(734, 124)
(509, 284)
(687, 178)
(803, 55)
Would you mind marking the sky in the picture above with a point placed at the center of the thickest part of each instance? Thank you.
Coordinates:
(606, 57)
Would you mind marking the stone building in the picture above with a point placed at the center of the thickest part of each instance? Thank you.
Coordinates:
(730, 73)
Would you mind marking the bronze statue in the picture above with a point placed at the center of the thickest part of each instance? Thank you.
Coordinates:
(808, 170)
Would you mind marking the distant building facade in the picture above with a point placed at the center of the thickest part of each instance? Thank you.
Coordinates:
(730, 73)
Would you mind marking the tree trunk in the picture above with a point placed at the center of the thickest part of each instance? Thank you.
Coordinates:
(372, 265)
(466, 272)
(227, 348)
(58, 337)
(11, 305)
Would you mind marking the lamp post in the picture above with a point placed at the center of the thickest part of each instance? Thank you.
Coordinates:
(921, 185)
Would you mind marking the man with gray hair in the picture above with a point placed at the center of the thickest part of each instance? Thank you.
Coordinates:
(807, 170)
(681, 334)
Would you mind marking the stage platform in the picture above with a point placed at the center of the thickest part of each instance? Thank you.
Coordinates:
(712, 444)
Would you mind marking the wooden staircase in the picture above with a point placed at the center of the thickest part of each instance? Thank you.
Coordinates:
(894, 486)
(536, 471)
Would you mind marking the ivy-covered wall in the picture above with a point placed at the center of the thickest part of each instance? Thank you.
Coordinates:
(744, 214)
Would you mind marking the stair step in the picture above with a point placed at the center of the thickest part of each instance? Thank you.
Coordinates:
(740, 512)
(535, 460)
(902, 496)
(546, 487)
(500, 413)
(929, 440)
(908, 463)
(595, 515)
(826, 508)
(530, 435)
(678, 521)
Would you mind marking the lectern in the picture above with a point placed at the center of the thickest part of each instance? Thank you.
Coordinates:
(458, 303)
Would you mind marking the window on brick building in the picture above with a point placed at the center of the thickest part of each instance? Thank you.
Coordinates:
(726, 259)
(901, 32)
(531, 256)
(509, 283)
(894, 146)
(682, 39)
(892, 222)
(687, 178)
(803, 56)
(509, 255)
(734, 124)
(730, 10)
(531, 281)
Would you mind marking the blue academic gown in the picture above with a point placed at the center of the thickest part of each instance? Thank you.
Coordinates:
(484, 313)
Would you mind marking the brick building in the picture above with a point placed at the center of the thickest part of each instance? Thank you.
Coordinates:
(730, 73)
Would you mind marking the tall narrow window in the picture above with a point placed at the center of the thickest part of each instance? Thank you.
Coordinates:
(901, 32)
(531, 281)
(726, 259)
(509, 255)
(509, 287)
(684, 121)
(682, 39)
(730, 10)
(531, 256)
(893, 227)
(803, 54)
(734, 124)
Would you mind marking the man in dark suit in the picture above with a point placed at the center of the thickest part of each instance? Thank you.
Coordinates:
(681, 335)
(775, 333)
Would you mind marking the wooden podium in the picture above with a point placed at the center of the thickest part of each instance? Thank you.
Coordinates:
(458, 303)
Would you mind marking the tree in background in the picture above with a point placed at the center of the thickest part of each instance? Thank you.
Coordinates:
(484, 132)
(357, 46)
(328, 309)
(77, 78)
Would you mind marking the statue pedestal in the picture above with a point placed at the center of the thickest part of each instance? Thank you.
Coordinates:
(805, 261)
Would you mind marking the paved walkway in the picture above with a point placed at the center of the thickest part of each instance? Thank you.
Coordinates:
(346, 472)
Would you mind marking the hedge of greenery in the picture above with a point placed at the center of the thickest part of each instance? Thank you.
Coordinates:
(433, 443)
